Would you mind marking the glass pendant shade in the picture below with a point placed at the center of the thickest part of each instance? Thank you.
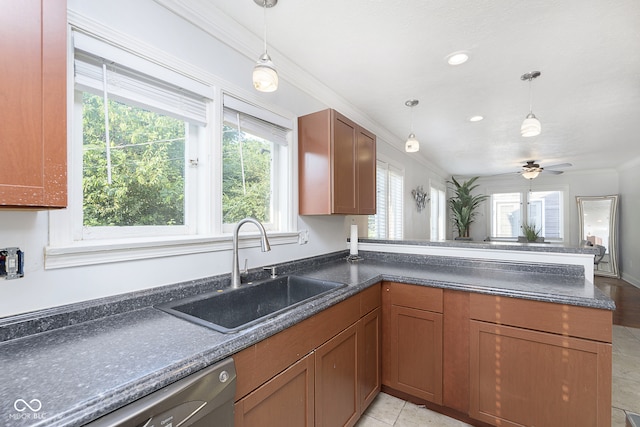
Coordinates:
(530, 174)
(530, 126)
(265, 76)
(412, 145)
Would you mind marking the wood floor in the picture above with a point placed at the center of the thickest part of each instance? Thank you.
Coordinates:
(626, 297)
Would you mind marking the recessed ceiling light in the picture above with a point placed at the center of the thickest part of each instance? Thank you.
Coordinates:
(457, 58)
(476, 118)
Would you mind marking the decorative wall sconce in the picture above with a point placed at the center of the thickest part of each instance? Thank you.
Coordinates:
(420, 197)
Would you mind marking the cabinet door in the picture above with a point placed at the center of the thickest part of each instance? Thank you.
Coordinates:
(337, 402)
(369, 354)
(285, 400)
(416, 352)
(366, 186)
(33, 108)
(344, 165)
(527, 378)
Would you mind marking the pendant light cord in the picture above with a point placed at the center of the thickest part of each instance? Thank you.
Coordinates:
(412, 118)
(530, 96)
(264, 8)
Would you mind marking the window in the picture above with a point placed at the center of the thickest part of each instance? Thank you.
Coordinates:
(505, 215)
(438, 212)
(388, 221)
(138, 134)
(149, 154)
(255, 154)
(544, 209)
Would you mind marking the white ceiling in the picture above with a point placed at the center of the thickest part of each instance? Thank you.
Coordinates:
(377, 54)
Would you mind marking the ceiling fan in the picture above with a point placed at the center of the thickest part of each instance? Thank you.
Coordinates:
(532, 169)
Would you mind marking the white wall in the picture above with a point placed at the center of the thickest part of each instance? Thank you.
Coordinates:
(629, 233)
(148, 22)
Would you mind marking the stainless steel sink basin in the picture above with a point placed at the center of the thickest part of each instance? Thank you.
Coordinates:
(236, 309)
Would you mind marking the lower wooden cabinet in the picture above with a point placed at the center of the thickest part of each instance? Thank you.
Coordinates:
(530, 378)
(412, 340)
(539, 364)
(370, 356)
(285, 400)
(330, 386)
(337, 400)
(505, 361)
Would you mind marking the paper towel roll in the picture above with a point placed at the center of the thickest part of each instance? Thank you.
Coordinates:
(354, 240)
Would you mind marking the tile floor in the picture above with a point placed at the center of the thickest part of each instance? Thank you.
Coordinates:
(388, 411)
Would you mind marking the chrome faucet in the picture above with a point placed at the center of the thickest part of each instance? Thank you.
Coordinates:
(264, 246)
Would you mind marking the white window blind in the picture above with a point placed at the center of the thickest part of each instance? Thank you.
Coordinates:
(396, 189)
(388, 222)
(256, 121)
(438, 213)
(378, 226)
(185, 100)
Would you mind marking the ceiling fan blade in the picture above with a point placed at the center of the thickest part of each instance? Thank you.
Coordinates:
(552, 172)
(503, 174)
(558, 166)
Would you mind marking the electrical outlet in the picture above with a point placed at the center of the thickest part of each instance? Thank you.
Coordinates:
(303, 237)
(11, 263)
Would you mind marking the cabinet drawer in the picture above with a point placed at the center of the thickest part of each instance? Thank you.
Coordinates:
(562, 319)
(414, 296)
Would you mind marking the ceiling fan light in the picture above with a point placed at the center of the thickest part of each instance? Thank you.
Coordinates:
(412, 145)
(265, 76)
(530, 174)
(530, 126)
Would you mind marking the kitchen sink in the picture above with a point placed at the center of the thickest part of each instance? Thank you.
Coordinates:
(232, 310)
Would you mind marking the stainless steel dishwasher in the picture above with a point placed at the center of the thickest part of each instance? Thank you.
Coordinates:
(203, 399)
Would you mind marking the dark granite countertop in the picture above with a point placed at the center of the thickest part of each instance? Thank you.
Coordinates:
(83, 361)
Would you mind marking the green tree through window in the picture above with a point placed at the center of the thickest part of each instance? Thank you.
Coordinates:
(147, 166)
(246, 182)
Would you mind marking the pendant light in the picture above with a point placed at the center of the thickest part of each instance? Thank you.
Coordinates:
(412, 145)
(265, 76)
(531, 125)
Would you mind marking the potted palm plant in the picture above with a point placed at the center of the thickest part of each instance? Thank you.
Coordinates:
(463, 205)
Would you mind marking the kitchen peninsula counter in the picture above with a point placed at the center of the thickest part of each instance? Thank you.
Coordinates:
(549, 247)
(85, 360)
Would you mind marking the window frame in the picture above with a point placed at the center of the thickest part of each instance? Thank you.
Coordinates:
(281, 162)
(196, 141)
(66, 248)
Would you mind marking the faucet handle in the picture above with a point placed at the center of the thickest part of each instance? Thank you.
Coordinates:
(272, 270)
(245, 270)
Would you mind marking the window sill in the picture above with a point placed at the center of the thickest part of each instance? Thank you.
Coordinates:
(104, 252)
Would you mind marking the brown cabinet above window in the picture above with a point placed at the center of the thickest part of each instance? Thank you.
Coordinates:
(33, 170)
(336, 165)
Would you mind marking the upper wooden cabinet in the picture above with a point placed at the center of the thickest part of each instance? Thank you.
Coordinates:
(33, 170)
(336, 165)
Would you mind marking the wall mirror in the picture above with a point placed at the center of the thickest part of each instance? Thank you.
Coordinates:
(598, 226)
